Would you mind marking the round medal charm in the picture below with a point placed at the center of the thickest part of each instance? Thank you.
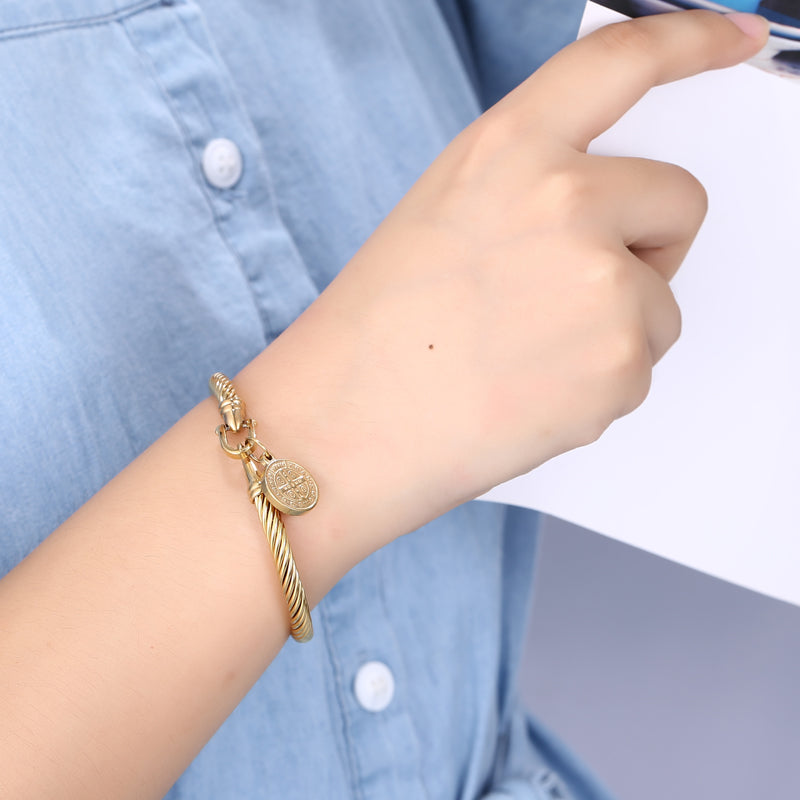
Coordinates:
(289, 486)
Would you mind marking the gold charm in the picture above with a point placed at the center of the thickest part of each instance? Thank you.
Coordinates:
(289, 486)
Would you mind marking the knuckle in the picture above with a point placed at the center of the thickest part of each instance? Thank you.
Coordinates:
(672, 322)
(567, 192)
(610, 277)
(707, 25)
(593, 431)
(638, 393)
(694, 194)
(628, 354)
(630, 38)
(675, 321)
(492, 132)
(629, 368)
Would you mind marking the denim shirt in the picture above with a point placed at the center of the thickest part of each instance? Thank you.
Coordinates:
(135, 261)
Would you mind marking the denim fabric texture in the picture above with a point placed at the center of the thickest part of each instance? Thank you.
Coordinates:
(128, 278)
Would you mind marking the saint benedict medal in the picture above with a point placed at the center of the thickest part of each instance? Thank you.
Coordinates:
(289, 486)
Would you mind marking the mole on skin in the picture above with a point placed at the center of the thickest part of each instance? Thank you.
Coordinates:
(430, 347)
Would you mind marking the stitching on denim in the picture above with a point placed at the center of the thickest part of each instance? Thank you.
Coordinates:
(352, 760)
(147, 62)
(247, 122)
(38, 28)
(267, 323)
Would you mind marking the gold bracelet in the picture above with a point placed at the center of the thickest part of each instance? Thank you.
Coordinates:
(275, 485)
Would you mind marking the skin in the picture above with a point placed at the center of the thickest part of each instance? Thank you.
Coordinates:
(540, 276)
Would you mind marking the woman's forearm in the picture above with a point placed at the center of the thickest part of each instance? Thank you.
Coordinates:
(133, 631)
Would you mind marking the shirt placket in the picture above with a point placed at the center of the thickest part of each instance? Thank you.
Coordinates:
(230, 164)
(369, 684)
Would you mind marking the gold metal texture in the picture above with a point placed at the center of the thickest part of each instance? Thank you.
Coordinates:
(289, 486)
(231, 406)
(239, 450)
(295, 481)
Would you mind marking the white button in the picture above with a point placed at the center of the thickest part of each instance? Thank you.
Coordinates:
(374, 686)
(222, 163)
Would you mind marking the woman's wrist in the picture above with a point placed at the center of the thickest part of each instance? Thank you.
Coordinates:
(303, 389)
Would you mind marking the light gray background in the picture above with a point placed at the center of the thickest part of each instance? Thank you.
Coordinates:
(672, 685)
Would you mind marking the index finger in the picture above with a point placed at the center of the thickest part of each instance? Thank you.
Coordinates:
(584, 89)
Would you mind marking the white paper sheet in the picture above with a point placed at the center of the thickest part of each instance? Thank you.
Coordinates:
(706, 471)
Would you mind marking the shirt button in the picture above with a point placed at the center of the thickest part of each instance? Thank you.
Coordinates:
(222, 163)
(374, 686)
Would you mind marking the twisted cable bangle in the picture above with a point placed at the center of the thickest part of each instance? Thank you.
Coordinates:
(299, 615)
(288, 485)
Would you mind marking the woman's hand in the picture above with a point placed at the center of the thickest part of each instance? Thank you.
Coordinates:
(515, 301)
(509, 308)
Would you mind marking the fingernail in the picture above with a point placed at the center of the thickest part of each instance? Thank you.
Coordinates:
(753, 25)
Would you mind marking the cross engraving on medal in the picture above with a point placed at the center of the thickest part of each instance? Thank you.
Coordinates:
(289, 486)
